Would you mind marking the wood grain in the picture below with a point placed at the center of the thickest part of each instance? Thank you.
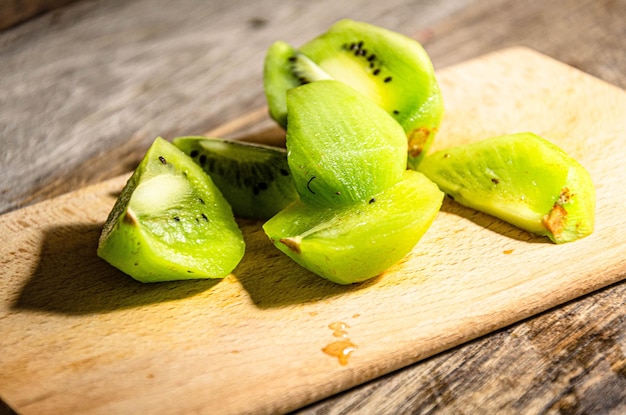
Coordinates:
(79, 82)
(13, 12)
(89, 337)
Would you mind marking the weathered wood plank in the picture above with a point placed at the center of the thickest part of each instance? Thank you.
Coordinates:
(109, 104)
(13, 12)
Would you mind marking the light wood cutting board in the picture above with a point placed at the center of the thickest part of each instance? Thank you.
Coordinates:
(77, 336)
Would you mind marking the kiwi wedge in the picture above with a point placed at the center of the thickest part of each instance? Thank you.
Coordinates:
(171, 222)
(353, 243)
(285, 68)
(522, 179)
(342, 148)
(392, 70)
(254, 178)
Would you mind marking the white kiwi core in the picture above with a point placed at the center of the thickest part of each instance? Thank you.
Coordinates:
(159, 193)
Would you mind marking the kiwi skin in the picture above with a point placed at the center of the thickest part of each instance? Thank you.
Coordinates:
(171, 222)
(353, 243)
(391, 69)
(522, 179)
(254, 178)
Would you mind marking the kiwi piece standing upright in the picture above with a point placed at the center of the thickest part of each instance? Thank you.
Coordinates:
(522, 179)
(171, 222)
(254, 178)
(391, 69)
(341, 147)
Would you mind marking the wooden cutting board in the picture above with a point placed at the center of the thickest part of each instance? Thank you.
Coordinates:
(77, 336)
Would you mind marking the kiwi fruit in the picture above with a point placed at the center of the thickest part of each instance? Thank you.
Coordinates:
(254, 178)
(522, 179)
(342, 148)
(285, 68)
(391, 69)
(356, 242)
(171, 222)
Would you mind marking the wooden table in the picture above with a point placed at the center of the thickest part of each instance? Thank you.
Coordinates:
(87, 86)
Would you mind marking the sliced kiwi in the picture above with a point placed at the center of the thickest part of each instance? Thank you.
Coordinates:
(285, 68)
(393, 70)
(342, 148)
(357, 242)
(171, 222)
(254, 178)
(522, 179)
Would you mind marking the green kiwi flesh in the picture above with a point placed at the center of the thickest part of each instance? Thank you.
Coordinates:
(353, 243)
(254, 178)
(342, 148)
(171, 222)
(522, 179)
(391, 69)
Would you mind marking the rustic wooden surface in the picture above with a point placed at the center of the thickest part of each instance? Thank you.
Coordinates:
(13, 12)
(85, 89)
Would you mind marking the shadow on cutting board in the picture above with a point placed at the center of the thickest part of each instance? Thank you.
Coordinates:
(70, 278)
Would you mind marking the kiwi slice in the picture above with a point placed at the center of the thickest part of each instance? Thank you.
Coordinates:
(357, 242)
(285, 68)
(171, 222)
(254, 178)
(522, 179)
(391, 69)
(342, 148)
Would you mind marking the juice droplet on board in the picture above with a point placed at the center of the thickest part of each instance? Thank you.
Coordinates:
(341, 349)
(338, 325)
(339, 329)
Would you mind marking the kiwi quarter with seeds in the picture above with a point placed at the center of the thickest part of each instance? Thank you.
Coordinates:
(254, 178)
(171, 222)
(391, 69)
(522, 179)
(353, 243)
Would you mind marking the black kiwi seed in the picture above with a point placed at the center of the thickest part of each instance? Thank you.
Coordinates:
(376, 72)
(176, 218)
(387, 79)
(202, 160)
(284, 172)
(372, 200)
(193, 154)
(162, 160)
(205, 217)
(371, 57)
(262, 186)
(211, 165)
(308, 185)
